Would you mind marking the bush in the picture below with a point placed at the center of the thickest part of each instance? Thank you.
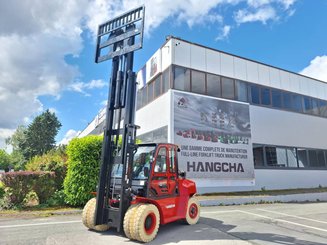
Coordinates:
(31, 199)
(2, 190)
(57, 199)
(53, 161)
(4, 160)
(19, 184)
(83, 169)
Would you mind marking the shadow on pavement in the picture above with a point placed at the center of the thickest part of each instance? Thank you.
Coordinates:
(211, 231)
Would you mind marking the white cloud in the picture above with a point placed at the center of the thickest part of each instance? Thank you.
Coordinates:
(262, 14)
(53, 110)
(34, 39)
(258, 3)
(70, 134)
(81, 87)
(224, 33)
(317, 68)
(4, 134)
(287, 3)
(192, 12)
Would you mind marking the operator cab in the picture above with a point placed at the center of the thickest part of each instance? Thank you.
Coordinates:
(157, 163)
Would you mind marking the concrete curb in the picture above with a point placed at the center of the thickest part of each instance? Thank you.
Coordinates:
(304, 197)
(66, 212)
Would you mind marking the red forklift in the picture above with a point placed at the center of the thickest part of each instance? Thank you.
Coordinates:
(140, 186)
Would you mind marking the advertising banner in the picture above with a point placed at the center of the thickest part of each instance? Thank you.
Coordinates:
(214, 136)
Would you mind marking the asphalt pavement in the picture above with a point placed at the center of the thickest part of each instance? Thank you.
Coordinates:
(289, 223)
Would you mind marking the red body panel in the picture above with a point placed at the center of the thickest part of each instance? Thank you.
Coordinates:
(172, 208)
(169, 192)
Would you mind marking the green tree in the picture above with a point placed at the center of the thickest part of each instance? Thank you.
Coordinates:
(17, 141)
(4, 160)
(18, 138)
(40, 135)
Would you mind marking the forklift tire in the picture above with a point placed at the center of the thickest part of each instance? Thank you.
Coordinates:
(146, 223)
(129, 219)
(193, 211)
(88, 217)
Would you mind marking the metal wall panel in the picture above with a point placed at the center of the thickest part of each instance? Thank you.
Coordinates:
(321, 90)
(160, 106)
(277, 127)
(166, 55)
(285, 80)
(182, 53)
(325, 89)
(227, 65)
(274, 77)
(213, 61)
(239, 68)
(295, 83)
(198, 58)
(312, 87)
(304, 86)
(252, 72)
(264, 75)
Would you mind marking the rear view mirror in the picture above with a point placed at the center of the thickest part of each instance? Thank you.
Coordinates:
(182, 174)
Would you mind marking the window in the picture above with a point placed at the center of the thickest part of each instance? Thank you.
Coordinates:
(198, 82)
(302, 158)
(255, 94)
(291, 157)
(276, 98)
(323, 108)
(287, 101)
(258, 155)
(227, 86)
(307, 105)
(321, 158)
(313, 158)
(181, 78)
(265, 96)
(139, 99)
(241, 91)
(315, 107)
(160, 166)
(213, 85)
(144, 96)
(150, 92)
(172, 160)
(276, 156)
(297, 103)
(165, 81)
(157, 87)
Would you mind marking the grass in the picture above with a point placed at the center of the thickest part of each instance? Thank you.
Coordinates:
(37, 211)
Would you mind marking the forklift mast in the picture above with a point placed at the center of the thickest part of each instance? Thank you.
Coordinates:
(117, 39)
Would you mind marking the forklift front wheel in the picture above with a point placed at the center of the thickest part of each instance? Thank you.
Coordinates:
(129, 220)
(88, 217)
(193, 211)
(146, 223)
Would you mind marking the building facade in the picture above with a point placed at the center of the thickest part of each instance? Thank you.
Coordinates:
(287, 117)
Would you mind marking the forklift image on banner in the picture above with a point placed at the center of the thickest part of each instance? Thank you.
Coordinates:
(140, 186)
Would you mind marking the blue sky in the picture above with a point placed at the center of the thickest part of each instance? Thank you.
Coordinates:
(47, 48)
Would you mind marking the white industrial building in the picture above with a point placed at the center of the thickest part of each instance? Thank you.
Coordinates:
(286, 113)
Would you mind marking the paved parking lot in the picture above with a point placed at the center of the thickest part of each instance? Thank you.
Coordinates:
(250, 224)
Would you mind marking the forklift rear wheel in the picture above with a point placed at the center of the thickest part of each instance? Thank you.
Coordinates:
(129, 220)
(88, 217)
(146, 223)
(193, 211)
